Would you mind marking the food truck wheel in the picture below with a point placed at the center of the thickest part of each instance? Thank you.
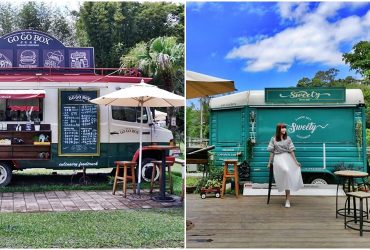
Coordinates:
(5, 174)
(146, 170)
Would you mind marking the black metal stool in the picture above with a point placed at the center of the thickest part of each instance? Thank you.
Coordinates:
(358, 195)
(348, 176)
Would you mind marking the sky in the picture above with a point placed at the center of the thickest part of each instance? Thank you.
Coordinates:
(272, 44)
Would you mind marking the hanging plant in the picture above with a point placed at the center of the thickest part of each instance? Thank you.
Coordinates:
(358, 130)
(250, 149)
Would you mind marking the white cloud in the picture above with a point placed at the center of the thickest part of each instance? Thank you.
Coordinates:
(313, 40)
(198, 6)
(328, 9)
(195, 6)
(250, 39)
(253, 8)
(292, 10)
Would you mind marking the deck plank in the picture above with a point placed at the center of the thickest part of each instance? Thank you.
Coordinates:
(248, 222)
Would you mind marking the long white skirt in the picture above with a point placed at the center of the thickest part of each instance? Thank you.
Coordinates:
(287, 173)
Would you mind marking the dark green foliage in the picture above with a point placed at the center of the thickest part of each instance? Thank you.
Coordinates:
(38, 16)
(329, 79)
(112, 28)
(193, 124)
(214, 177)
(359, 58)
(192, 121)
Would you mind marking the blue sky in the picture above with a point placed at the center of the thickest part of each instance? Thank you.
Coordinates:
(269, 44)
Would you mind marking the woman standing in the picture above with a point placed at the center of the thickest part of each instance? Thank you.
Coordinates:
(287, 170)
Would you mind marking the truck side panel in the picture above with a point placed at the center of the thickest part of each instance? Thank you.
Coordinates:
(326, 138)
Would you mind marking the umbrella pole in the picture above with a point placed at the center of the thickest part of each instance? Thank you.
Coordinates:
(140, 149)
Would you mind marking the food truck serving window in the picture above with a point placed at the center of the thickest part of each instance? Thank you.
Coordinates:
(21, 105)
(128, 114)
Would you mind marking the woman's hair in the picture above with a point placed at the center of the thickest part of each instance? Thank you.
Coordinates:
(279, 126)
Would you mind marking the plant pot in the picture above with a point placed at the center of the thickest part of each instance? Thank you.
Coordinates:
(190, 190)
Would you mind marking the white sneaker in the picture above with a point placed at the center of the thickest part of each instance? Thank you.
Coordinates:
(287, 203)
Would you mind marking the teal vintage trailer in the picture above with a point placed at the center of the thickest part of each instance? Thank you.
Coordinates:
(327, 126)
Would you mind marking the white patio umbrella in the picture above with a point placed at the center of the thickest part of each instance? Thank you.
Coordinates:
(143, 95)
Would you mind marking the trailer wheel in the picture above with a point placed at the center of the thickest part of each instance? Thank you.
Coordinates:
(146, 170)
(203, 196)
(5, 174)
(322, 180)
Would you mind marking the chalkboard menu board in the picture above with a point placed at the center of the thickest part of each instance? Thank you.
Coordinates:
(78, 123)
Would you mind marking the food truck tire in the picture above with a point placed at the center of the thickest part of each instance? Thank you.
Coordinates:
(5, 174)
(146, 170)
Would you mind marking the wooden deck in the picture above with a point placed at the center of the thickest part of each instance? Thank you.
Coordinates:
(248, 222)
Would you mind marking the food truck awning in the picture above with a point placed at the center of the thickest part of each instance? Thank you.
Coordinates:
(21, 94)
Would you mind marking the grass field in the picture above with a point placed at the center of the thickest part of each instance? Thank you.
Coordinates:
(155, 228)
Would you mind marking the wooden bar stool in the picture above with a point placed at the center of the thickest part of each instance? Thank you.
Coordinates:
(123, 179)
(228, 174)
(159, 164)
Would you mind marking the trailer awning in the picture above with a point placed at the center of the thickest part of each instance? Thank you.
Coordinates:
(21, 94)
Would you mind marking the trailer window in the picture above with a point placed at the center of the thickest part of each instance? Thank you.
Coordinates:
(128, 114)
(20, 109)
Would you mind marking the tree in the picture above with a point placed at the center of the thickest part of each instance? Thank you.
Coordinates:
(35, 16)
(62, 28)
(161, 19)
(304, 82)
(161, 58)
(328, 79)
(98, 22)
(192, 122)
(39, 16)
(359, 59)
(7, 18)
(112, 28)
(325, 78)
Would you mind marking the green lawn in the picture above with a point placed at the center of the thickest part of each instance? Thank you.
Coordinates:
(154, 228)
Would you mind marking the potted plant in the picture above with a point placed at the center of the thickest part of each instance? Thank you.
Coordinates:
(211, 186)
(191, 184)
